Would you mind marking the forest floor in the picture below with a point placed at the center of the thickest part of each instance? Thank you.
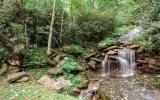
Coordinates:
(30, 90)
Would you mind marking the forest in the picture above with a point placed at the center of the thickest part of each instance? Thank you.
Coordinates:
(79, 49)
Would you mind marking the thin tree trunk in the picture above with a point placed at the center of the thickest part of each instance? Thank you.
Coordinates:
(61, 33)
(51, 30)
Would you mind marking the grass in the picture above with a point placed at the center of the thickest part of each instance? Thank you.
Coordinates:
(30, 91)
(37, 73)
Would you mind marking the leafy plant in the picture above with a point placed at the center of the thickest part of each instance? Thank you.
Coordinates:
(35, 56)
(70, 65)
(106, 42)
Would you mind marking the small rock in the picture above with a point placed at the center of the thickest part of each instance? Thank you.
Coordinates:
(112, 52)
(57, 58)
(15, 76)
(3, 69)
(55, 71)
(92, 64)
(24, 79)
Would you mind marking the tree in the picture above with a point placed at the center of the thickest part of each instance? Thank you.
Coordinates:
(51, 30)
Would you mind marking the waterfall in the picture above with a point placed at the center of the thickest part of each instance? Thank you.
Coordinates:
(126, 58)
(106, 68)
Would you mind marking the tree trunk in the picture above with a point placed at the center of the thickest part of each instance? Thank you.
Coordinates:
(61, 33)
(51, 30)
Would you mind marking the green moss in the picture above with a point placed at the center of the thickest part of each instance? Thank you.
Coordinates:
(30, 91)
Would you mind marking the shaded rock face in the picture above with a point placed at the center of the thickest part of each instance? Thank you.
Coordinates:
(127, 89)
(131, 34)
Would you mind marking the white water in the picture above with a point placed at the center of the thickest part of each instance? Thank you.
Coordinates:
(126, 58)
(106, 63)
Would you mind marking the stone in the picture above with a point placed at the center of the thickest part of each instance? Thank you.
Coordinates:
(15, 76)
(129, 88)
(134, 46)
(55, 71)
(3, 69)
(111, 48)
(13, 69)
(46, 81)
(24, 79)
(111, 52)
(92, 64)
(54, 84)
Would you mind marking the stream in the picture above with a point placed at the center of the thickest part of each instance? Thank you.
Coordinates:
(122, 82)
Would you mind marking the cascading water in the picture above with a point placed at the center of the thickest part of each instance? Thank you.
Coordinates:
(126, 58)
(106, 66)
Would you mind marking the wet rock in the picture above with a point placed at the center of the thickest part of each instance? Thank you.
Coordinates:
(87, 95)
(131, 88)
(3, 69)
(24, 79)
(111, 48)
(92, 64)
(111, 52)
(15, 76)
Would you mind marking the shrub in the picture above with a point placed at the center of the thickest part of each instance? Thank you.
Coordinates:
(93, 26)
(70, 65)
(35, 56)
(106, 42)
(72, 49)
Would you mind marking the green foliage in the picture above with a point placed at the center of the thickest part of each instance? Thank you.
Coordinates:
(148, 14)
(35, 56)
(72, 49)
(93, 26)
(4, 54)
(106, 42)
(37, 73)
(70, 65)
(75, 49)
(110, 39)
(147, 45)
(77, 81)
